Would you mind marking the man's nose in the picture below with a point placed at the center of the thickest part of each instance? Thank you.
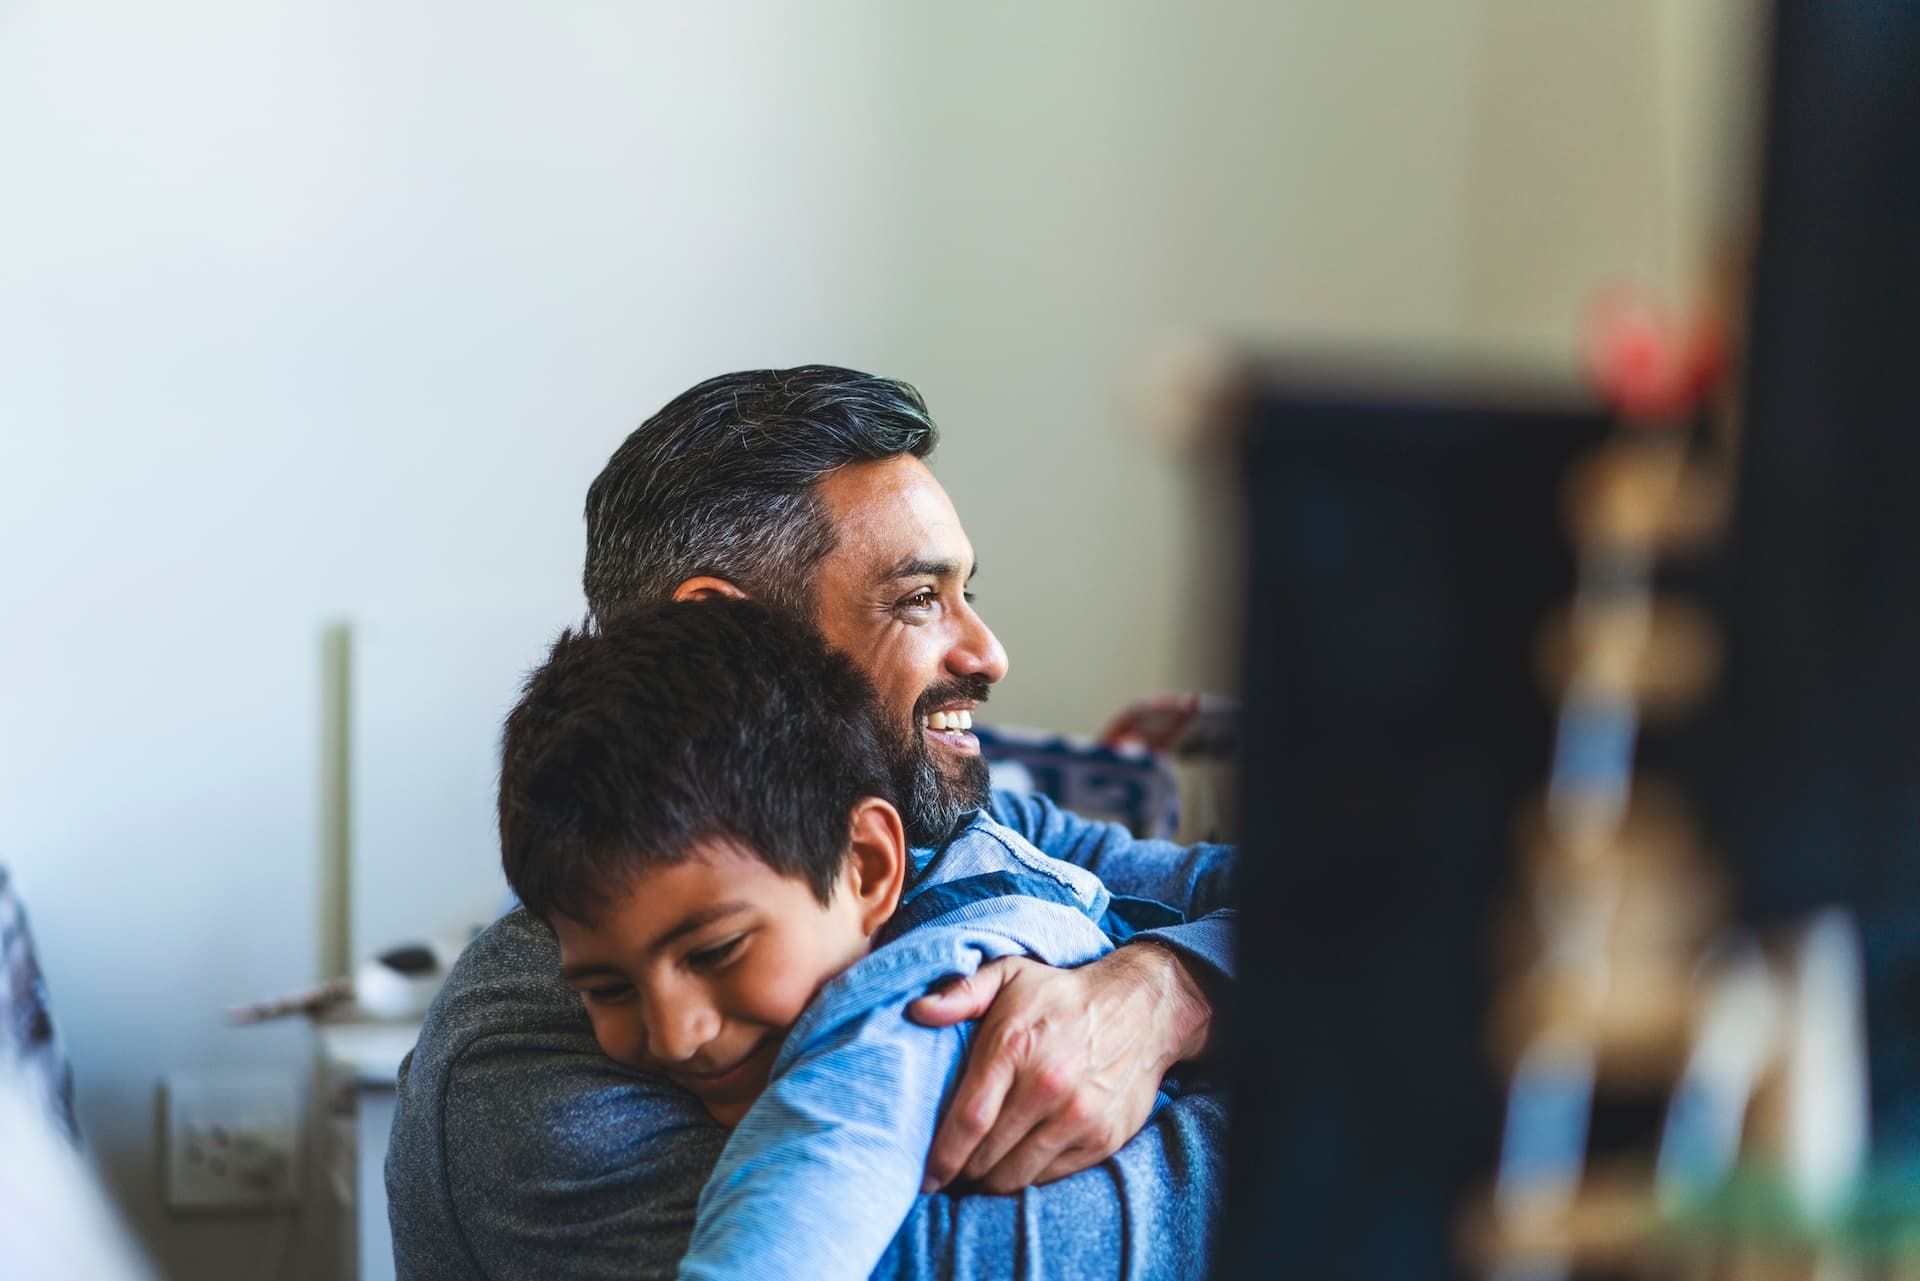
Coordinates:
(976, 651)
(678, 1025)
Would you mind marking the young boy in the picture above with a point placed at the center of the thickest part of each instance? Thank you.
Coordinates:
(694, 798)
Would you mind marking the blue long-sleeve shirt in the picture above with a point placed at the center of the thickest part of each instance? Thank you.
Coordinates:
(520, 1150)
(825, 1166)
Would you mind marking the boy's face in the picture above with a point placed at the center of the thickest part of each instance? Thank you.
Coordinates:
(697, 970)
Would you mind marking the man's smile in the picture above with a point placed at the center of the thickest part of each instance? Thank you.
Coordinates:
(952, 728)
(943, 716)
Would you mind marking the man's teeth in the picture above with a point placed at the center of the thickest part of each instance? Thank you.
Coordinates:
(950, 720)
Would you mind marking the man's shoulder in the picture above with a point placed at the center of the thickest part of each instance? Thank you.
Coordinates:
(988, 846)
(1056, 832)
(1015, 809)
(507, 1105)
(505, 1024)
(506, 1052)
(505, 982)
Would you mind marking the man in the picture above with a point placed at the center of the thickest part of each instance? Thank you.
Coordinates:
(519, 1150)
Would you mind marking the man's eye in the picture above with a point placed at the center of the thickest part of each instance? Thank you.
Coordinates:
(926, 598)
(708, 958)
(608, 994)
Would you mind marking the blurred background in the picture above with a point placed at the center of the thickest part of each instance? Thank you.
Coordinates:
(316, 320)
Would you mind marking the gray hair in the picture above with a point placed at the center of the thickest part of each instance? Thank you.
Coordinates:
(721, 482)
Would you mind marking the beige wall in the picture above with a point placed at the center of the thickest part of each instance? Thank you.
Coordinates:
(1447, 183)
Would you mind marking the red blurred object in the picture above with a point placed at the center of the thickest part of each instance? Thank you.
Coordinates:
(1643, 363)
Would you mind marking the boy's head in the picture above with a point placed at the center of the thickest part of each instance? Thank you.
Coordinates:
(693, 796)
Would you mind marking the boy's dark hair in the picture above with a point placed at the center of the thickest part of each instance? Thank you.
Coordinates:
(669, 725)
(721, 480)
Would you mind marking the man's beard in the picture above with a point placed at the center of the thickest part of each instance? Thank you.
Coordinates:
(934, 800)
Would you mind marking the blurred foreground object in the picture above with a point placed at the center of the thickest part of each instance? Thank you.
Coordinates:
(1676, 1106)
(55, 1222)
(1610, 1002)
(1596, 995)
(29, 1043)
(1404, 550)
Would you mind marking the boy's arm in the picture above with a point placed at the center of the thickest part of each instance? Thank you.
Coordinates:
(823, 1169)
(822, 1177)
(570, 1166)
(519, 1149)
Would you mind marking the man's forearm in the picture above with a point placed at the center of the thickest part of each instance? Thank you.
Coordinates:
(1182, 1005)
(1209, 947)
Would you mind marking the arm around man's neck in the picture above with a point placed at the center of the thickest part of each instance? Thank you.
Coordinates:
(521, 1150)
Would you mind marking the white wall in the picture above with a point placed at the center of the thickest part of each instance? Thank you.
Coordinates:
(322, 310)
(312, 311)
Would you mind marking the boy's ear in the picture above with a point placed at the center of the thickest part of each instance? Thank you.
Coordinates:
(876, 860)
(706, 587)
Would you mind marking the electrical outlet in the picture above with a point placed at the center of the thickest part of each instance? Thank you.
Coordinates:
(233, 1140)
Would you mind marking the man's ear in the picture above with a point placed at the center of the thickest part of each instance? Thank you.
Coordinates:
(876, 860)
(706, 587)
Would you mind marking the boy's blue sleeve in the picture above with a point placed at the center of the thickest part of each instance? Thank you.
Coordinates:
(1197, 879)
(819, 1175)
(821, 1179)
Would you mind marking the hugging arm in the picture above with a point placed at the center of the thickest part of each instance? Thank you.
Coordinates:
(824, 1168)
(1067, 1063)
(521, 1150)
(569, 1166)
(821, 1178)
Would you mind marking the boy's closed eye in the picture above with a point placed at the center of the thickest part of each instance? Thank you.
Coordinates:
(716, 956)
(706, 959)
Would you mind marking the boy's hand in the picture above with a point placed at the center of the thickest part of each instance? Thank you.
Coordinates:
(1066, 1063)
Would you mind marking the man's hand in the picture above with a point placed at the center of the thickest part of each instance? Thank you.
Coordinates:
(1196, 724)
(1065, 1065)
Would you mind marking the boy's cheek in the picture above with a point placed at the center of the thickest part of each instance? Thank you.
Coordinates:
(787, 995)
(618, 1040)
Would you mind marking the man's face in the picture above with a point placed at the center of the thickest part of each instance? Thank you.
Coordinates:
(892, 596)
(697, 970)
